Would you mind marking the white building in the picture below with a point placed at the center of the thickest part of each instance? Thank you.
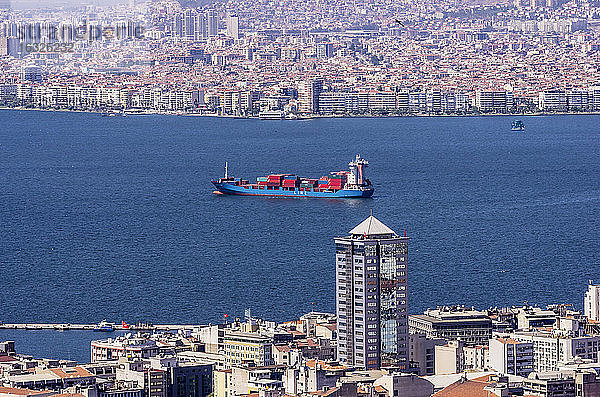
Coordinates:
(450, 358)
(477, 358)
(233, 26)
(591, 302)
(511, 357)
(550, 349)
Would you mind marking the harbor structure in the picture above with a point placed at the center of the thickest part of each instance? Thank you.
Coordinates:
(371, 297)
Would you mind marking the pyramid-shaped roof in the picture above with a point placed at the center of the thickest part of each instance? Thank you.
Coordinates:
(371, 227)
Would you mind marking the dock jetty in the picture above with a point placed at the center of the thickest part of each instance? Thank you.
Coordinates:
(92, 327)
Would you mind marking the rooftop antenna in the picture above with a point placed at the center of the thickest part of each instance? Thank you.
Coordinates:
(226, 170)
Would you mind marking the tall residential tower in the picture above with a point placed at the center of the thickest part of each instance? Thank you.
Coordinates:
(371, 296)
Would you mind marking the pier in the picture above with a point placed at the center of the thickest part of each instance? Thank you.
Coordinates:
(91, 327)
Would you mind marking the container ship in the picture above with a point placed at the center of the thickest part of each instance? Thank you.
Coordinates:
(340, 184)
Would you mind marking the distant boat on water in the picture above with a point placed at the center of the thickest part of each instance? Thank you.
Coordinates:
(518, 125)
(104, 326)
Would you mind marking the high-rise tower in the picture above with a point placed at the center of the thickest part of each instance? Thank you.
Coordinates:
(308, 95)
(233, 26)
(371, 296)
(212, 19)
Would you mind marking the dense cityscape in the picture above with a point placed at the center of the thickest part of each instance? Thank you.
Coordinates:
(120, 216)
(370, 347)
(290, 59)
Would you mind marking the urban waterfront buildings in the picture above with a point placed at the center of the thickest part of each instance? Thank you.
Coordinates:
(371, 297)
(451, 58)
(298, 358)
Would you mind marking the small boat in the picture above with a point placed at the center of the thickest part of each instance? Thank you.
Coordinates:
(518, 125)
(104, 326)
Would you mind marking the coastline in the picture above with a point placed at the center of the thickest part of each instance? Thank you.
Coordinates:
(296, 117)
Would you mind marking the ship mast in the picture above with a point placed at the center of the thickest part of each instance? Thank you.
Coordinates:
(226, 170)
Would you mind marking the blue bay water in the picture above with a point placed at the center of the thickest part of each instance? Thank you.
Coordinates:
(112, 217)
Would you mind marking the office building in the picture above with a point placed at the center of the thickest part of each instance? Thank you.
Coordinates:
(529, 318)
(494, 101)
(550, 384)
(152, 381)
(453, 323)
(4, 9)
(127, 346)
(190, 380)
(371, 297)
(591, 302)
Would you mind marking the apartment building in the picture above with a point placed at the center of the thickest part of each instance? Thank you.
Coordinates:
(244, 347)
(510, 357)
(371, 297)
(551, 348)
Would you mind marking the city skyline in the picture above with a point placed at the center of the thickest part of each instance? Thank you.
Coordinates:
(127, 258)
(242, 59)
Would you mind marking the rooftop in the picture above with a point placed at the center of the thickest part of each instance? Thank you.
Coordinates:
(372, 227)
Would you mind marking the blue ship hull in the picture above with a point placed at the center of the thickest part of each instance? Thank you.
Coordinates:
(104, 329)
(253, 190)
